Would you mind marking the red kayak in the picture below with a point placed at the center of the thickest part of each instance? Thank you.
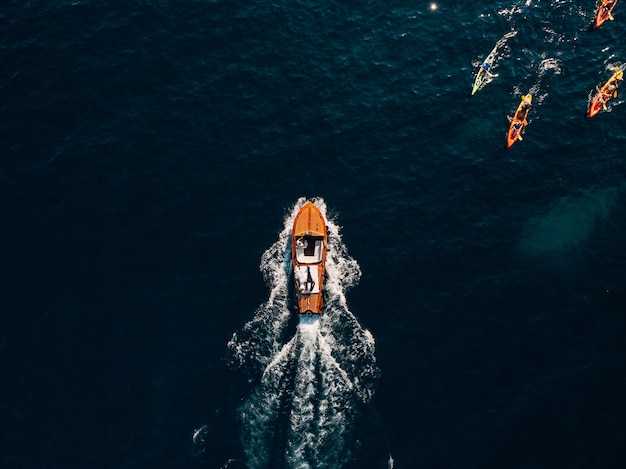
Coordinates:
(605, 12)
(608, 90)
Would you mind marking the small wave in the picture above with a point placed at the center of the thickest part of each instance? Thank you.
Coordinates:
(550, 64)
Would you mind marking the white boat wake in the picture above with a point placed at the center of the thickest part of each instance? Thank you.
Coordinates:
(308, 387)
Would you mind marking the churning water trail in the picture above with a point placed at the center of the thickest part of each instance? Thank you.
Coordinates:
(309, 385)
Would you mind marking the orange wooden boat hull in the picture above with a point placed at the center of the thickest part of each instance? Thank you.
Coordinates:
(309, 242)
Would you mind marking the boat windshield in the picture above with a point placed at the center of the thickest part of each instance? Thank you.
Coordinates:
(309, 250)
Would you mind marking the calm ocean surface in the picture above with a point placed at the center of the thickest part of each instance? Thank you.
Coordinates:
(152, 155)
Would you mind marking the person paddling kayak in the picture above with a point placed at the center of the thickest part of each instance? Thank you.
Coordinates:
(608, 91)
(604, 12)
(607, 6)
(487, 66)
(519, 121)
(523, 110)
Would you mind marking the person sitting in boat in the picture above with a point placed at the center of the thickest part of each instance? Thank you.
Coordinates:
(302, 243)
(300, 280)
(487, 66)
(523, 112)
(608, 5)
(310, 283)
(610, 89)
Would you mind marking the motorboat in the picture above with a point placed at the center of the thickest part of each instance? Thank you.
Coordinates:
(309, 241)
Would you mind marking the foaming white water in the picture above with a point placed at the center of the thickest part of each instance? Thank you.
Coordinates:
(547, 67)
(309, 386)
(515, 9)
(260, 339)
(543, 68)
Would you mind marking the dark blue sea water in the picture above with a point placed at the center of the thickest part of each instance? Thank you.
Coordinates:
(152, 155)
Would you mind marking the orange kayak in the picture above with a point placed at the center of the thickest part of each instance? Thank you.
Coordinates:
(309, 241)
(518, 122)
(608, 90)
(605, 12)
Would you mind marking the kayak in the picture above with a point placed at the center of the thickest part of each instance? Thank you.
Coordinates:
(518, 121)
(608, 91)
(484, 70)
(605, 12)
